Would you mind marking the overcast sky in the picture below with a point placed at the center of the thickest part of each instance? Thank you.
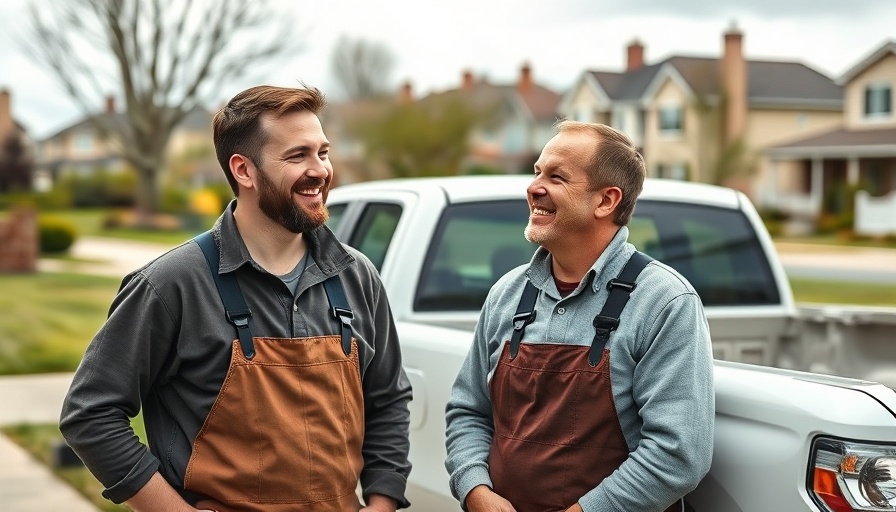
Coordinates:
(433, 41)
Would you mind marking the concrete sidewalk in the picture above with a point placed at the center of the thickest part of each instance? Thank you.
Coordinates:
(27, 485)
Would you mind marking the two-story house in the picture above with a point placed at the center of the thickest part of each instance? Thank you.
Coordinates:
(704, 118)
(858, 153)
(82, 148)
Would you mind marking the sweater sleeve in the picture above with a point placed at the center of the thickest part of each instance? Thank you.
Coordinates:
(673, 390)
(117, 369)
(468, 416)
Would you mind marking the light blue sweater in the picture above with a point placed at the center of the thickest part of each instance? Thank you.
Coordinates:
(660, 368)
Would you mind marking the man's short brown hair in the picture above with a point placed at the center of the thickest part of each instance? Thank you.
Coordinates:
(615, 162)
(237, 126)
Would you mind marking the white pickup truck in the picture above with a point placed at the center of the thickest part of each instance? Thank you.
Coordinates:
(785, 440)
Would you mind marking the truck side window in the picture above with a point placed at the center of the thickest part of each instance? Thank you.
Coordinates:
(336, 212)
(714, 248)
(474, 244)
(374, 231)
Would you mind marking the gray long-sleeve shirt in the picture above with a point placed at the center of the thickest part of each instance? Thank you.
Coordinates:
(166, 347)
(660, 369)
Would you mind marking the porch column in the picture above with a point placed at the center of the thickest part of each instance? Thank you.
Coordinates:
(852, 170)
(817, 186)
(773, 185)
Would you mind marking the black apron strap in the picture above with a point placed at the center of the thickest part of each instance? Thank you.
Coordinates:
(340, 310)
(236, 310)
(525, 313)
(620, 288)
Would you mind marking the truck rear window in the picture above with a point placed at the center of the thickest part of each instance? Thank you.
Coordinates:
(714, 248)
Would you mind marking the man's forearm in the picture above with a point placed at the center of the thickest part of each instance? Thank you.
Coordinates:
(158, 495)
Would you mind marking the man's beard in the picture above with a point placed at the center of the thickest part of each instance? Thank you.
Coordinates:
(283, 210)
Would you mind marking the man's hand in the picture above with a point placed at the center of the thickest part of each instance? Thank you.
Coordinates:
(575, 508)
(483, 499)
(379, 503)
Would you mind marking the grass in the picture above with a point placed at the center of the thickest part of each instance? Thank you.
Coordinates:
(48, 319)
(41, 440)
(840, 240)
(835, 292)
(92, 222)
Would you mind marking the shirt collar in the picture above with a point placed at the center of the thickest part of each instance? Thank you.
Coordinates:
(607, 266)
(323, 246)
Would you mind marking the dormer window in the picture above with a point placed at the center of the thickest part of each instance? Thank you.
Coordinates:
(878, 100)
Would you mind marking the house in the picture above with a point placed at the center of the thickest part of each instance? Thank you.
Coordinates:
(519, 120)
(708, 119)
(81, 148)
(811, 175)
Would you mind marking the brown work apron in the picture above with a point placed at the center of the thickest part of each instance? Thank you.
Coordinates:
(557, 435)
(285, 432)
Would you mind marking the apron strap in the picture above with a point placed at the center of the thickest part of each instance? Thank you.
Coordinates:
(525, 313)
(340, 310)
(620, 288)
(236, 310)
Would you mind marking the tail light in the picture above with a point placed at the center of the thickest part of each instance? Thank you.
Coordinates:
(847, 476)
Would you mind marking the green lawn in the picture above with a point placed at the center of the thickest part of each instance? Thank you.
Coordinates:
(91, 222)
(834, 292)
(48, 319)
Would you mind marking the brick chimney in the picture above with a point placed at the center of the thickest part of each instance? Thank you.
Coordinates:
(110, 104)
(525, 84)
(406, 94)
(734, 83)
(467, 80)
(6, 122)
(634, 56)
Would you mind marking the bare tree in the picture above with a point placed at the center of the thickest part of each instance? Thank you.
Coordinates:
(362, 68)
(164, 56)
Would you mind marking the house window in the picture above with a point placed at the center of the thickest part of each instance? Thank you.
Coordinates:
(676, 171)
(618, 121)
(671, 119)
(83, 142)
(583, 114)
(878, 100)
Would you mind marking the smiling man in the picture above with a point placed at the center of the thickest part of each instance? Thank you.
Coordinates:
(262, 354)
(588, 385)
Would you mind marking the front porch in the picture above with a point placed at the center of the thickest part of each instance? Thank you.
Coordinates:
(819, 177)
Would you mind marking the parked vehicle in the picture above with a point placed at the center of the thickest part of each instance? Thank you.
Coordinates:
(785, 440)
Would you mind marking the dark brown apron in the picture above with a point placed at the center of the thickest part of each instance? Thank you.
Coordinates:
(557, 435)
(285, 432)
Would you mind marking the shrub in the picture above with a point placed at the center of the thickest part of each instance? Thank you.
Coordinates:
(56, 234)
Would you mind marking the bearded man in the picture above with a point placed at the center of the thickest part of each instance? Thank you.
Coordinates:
(262, 354)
